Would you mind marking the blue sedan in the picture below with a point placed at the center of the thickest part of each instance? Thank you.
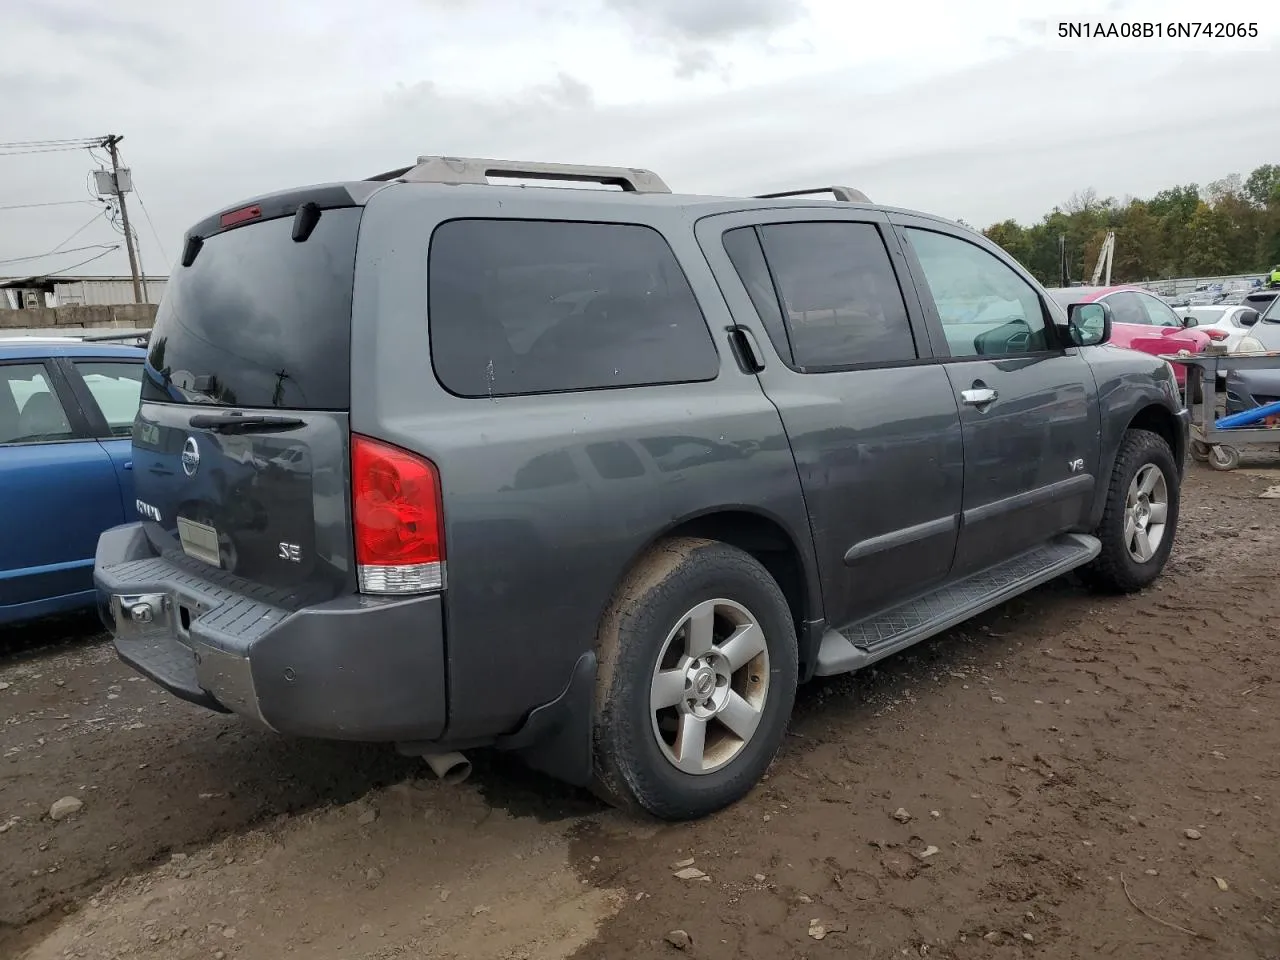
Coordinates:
(67, 408)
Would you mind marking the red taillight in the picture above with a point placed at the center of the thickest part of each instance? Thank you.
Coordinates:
(1216, 334)
(241, 215)
(398, 519)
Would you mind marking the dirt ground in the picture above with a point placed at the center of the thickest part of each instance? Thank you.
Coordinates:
(1084, 777)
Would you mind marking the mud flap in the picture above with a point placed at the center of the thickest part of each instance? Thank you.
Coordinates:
(556, 738)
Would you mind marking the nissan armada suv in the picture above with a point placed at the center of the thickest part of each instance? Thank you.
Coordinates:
(600, 475)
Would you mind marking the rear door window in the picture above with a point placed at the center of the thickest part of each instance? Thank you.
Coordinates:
(258, 320)
(1127, 308)
(116, 388)
(541, 306)
(742, 244)
(30, 411)
(839, 294)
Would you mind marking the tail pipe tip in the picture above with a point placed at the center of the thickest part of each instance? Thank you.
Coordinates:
(449, 767)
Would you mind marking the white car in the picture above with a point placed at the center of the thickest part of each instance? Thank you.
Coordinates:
(1234, 321)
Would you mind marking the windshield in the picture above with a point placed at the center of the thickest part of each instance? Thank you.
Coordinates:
(1272, 313)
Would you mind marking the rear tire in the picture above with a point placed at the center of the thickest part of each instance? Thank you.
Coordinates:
(1140, 518)
(697, 678)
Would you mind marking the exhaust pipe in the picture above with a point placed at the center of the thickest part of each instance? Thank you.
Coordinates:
(451, 768)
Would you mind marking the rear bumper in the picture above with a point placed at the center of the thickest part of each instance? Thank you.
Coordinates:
(351, 668)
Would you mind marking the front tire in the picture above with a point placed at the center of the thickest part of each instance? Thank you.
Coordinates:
(698, 672)
(1140, 517)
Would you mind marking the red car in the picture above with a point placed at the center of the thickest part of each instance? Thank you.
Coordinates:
(1142, 321)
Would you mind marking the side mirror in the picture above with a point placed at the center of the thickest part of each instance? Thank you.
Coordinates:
(1248, 318)
(1190, 322)
(1089, 324)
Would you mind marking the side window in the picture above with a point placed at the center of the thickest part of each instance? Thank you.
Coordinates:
(1127, 308)
(743, 247)
(1158, 312)
(30, 411)
(542, 306)
(985, 307)
(117, 388)
(841, 299)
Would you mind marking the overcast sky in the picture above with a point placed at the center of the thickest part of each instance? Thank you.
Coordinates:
(972, 109)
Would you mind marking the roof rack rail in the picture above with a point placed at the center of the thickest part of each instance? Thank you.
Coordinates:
(843, 194)
(143, 335)
(456, 170)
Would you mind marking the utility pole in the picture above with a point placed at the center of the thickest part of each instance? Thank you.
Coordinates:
(110, 143)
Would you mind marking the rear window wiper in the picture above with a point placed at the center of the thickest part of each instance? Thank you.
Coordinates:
(236, 422)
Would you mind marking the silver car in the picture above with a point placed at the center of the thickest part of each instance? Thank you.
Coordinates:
(1254, 388)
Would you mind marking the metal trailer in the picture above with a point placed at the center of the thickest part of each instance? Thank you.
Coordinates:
(1220, 446)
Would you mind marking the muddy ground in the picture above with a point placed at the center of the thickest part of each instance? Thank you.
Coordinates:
(1089, 778)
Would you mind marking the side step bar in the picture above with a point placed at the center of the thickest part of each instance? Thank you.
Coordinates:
(863, 643)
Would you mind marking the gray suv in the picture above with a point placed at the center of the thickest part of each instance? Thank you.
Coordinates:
(600, 475)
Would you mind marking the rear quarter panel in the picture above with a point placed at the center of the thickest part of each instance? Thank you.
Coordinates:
(548, 500)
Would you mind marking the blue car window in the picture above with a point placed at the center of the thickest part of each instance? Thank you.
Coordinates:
(117, 388)
(30, 411)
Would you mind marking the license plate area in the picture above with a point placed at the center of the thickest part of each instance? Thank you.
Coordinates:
(199, 541)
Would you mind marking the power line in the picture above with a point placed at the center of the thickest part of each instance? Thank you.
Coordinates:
(51, 203)
(20, 148)
(65, 141)
(91, 222)
(4, 152)
(96, 256)
(58, 249)
(41, 256)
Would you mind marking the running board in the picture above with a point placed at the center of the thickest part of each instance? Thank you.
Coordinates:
(866, 641)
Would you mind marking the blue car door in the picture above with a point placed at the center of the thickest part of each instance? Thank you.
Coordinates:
(109, 391)
(58, 489)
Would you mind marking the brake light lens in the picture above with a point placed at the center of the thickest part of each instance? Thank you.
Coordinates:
(1217, 334)
(240, 216)
(398, 519)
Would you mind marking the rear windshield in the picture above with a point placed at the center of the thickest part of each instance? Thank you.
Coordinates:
(259, 320)
(1207, 314)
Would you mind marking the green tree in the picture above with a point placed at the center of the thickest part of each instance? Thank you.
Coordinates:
(1232, 225)
(1138, 240)
(1207, 239)
(1262, 184)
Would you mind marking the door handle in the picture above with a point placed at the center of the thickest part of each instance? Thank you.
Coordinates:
(128, 464)
(746, 349)
(978, 396)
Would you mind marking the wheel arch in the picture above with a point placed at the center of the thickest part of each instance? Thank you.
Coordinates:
(788, 558)
(1153, 416)
(1159, 420)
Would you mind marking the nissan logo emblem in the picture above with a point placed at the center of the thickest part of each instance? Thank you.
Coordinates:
(190, 457)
